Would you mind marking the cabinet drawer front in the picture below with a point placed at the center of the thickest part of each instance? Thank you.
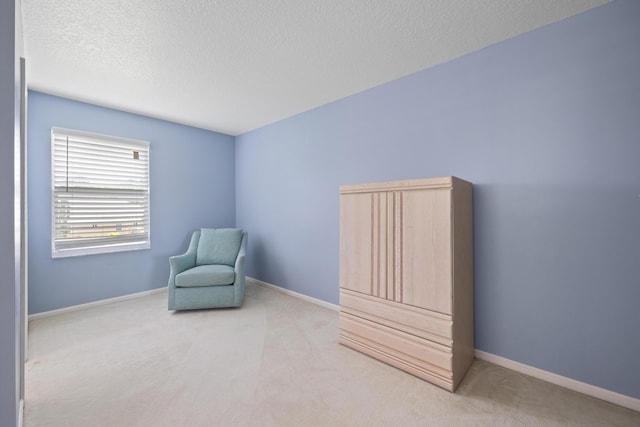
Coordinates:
(410, 350)
(422, 323)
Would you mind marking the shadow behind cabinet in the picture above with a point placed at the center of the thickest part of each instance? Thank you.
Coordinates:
(406, 275)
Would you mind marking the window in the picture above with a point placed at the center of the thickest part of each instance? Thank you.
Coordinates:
(100, 193)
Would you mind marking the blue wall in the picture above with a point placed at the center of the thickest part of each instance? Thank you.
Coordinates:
(547, 127)
(192, 186)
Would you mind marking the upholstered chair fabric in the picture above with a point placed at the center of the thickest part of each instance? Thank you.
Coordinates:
(211, 273)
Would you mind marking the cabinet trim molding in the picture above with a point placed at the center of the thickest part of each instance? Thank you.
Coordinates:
(409, 184)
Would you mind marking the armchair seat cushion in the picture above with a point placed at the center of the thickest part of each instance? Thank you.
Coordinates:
(206, 275)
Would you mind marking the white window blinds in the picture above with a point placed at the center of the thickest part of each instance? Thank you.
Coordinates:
(100, 193)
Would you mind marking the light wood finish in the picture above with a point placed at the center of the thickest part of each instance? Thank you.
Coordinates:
(406, 275)
(463, 346)
(426, 249)
(426, 324)
(357, 214)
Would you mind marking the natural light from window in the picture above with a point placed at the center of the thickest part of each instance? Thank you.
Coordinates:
(100, 193)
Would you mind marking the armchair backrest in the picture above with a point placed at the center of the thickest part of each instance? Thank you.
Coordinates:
(218, 246)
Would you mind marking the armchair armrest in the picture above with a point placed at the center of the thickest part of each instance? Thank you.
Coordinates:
(239, 265)
(180, 263)
(239, 271)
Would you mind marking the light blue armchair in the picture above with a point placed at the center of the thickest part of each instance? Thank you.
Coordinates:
(211, 273)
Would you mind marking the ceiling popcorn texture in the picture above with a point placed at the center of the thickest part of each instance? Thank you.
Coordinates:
(234, 66)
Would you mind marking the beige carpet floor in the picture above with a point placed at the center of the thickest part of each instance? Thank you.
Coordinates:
(274, 362)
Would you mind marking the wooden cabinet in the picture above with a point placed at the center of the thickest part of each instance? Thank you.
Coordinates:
(406, 275)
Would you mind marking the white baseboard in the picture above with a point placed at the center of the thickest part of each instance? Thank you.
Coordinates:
(94, 304)
(294, 294)
(571, 384)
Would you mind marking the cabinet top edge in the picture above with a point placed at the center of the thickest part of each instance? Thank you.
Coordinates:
(405, 184)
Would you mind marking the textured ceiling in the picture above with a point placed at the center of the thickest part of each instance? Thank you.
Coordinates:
(236, 65)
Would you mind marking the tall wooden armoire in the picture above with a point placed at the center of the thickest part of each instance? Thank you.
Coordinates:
(406, 275)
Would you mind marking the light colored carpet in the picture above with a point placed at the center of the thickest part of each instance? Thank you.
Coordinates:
(274, 362)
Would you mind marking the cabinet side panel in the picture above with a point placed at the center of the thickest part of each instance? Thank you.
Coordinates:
(356, 242)
(426, 249)
(463, 345)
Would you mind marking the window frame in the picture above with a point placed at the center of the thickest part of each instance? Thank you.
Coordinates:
(58, 247)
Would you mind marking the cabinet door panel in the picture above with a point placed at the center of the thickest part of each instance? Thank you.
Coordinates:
(426, 249)
(356, 242)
